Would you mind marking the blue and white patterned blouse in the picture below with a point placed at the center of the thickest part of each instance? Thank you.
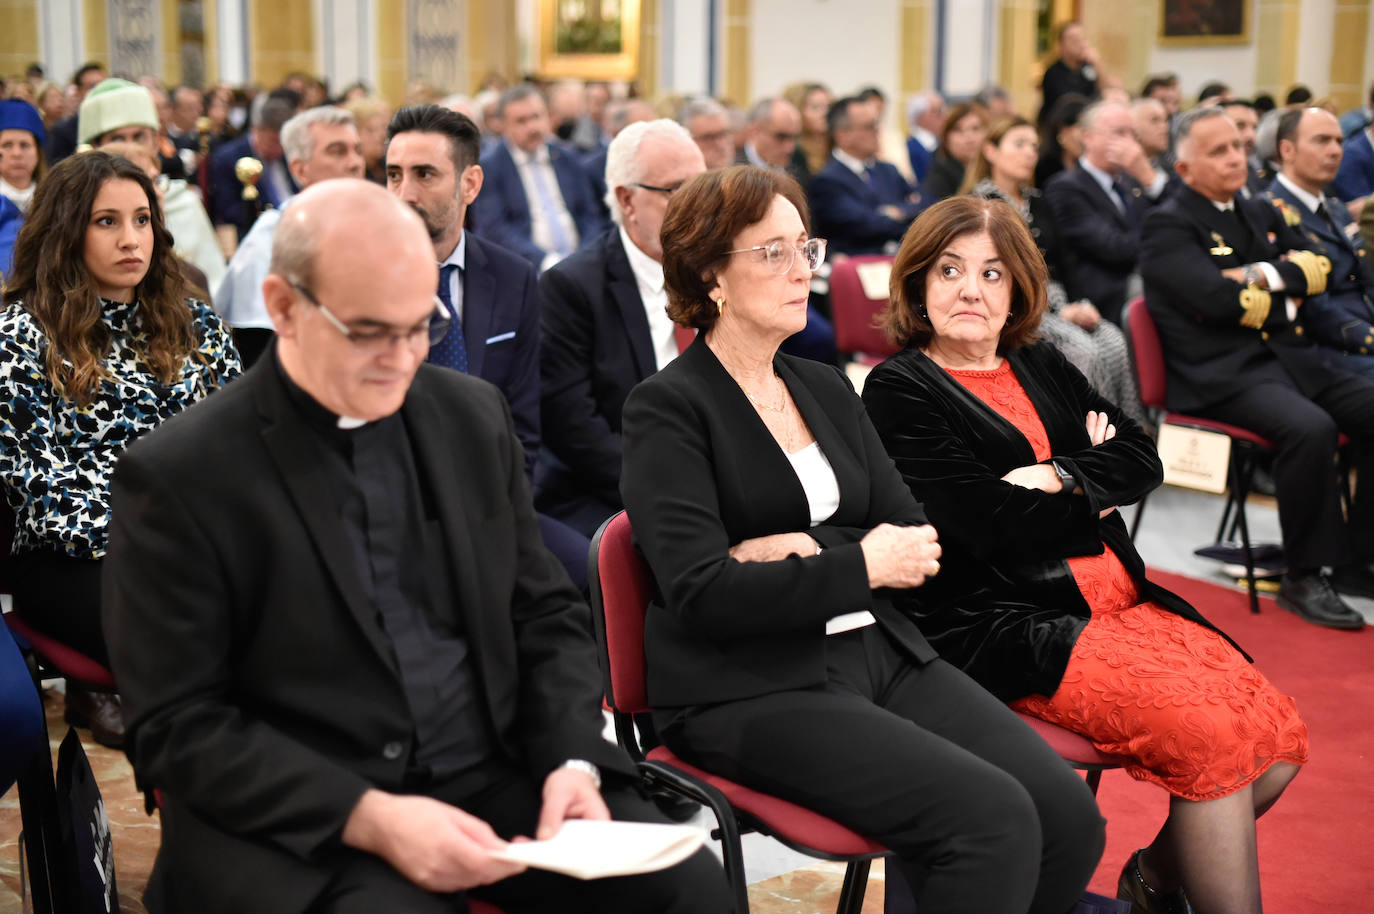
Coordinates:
(56, 459)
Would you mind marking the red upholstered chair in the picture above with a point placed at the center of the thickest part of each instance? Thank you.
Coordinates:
(1246, 447)
(621, 588)
(1074, 749)
(855, 313)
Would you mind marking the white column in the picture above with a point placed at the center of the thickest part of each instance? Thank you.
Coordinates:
(970, 37)
(231, 20)
(345, 50)
(685, 46)
(61, 31)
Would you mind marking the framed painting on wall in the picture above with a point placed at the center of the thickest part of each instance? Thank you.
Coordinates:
(588, 39)
(1204, 22)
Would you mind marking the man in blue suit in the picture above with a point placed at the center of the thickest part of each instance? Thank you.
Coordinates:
(860, 204)
(1355, 180)
(432, 166)
(261, 142)
(539, 202)
(1342, 318)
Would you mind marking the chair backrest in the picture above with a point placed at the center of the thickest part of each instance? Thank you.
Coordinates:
(854, 312)
(621, 587)
(1146, 353)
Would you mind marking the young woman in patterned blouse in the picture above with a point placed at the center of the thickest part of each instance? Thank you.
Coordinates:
(97, 346)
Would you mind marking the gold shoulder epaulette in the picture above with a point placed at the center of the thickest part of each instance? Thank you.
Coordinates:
(1314, 267)
(1256, 302)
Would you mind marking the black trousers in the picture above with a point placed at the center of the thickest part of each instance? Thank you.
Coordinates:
(1304, 432)
(365, 884)
(982, 817)
(60, 596)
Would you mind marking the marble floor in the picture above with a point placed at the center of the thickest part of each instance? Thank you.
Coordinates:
(781, 880)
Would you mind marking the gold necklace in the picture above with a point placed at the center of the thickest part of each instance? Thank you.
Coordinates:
(782, 396)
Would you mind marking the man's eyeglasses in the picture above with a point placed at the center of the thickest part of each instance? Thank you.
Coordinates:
(785, 138)
(781, 255)
(379, 339)
(667, 191)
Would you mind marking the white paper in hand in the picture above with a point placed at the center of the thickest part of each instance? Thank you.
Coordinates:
(592, 850)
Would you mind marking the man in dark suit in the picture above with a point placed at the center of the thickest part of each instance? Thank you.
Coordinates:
(1226, 301)
(774, 128)
(228, 209)
(62, 135)
(605, 326)
(860, 205)
(1100, 206)
(431, 165)
(925, 114)
(358, 673)
(1342, 318)
(539, 201)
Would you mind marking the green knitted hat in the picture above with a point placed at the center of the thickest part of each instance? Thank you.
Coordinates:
(113, 104)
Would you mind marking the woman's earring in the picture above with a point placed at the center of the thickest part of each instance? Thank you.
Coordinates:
(720, 306)
(924, 315)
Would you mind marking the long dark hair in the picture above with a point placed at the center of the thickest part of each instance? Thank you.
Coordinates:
(50, 277)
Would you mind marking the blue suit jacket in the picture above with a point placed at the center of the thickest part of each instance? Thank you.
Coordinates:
(1106, 243)
(226, 193)
(502, 214)
(1356, 177)
(1343, 316)
(10, 220)
(501, 332)
(845, 207)
(920, 158)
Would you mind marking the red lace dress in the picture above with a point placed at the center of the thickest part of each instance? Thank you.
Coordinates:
(1175, 700)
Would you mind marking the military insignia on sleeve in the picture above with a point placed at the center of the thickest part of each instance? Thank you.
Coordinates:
(1315, 268)
(1256, 303)
(1222, 249)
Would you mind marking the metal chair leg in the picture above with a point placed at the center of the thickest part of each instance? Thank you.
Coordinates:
(1240, 483)
(852, 892)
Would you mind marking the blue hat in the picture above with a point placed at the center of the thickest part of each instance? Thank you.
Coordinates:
(17, 114)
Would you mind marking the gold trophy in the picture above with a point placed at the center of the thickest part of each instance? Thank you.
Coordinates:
(248, 170)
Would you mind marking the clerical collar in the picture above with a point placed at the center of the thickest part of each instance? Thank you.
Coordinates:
(316, 415)
(1307, 199)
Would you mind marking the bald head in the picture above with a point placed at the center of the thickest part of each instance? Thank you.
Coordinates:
(351, 294)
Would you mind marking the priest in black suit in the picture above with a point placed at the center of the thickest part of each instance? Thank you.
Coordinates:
(350, 665)
(1227, 300)
(605, 327)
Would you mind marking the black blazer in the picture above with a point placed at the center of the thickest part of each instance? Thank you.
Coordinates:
(952, 450)
(845, 207)
(1105, 242)
(261, 694)
(702, 472)
(1209, 354)
(596, 348)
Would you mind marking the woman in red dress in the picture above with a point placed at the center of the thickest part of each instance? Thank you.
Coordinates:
(1020, 461)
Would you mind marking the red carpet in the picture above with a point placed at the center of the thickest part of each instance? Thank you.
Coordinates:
(1316, 846)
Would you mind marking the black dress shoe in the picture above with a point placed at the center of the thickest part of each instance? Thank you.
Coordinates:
(99, 712)
(1354, 580)
(1311, 597)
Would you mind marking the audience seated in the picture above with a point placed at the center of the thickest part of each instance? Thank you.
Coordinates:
(22, 164)
(813, 101)
(1342, 318)
(1357, 119)
(1100, 206)
(119, 111)
(960, 139)
(62, 137)
(861, 205)
(361, 673)
(539, 202)
(925, 114)
(489, 291)
(1151, 121)
(1097, 348)
(318, 144)
(606, 327)
(1091, 644)
(228, 208)
(97, 346)
(782, 540)
(619, 113)
(1225, 300)
(1164, 88)
(1061, 138)
(1242, 114)
(1077, 70)
(774, 128)
(1355, 180)
(709, 124)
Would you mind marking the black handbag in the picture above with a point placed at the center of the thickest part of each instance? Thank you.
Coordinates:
(86, 859)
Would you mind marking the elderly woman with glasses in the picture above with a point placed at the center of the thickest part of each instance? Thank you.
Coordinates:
(781, 538)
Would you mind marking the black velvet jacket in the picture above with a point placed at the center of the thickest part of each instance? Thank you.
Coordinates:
(952, 450)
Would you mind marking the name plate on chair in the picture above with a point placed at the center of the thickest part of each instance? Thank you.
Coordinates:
(1194, 459)
(873, 277)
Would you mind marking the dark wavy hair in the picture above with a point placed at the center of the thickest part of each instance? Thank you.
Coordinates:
(49, 276)
(905, 321)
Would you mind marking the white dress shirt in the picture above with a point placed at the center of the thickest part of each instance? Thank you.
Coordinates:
(649, 280)
(239, 297)
(459, 258)
(541, 230)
